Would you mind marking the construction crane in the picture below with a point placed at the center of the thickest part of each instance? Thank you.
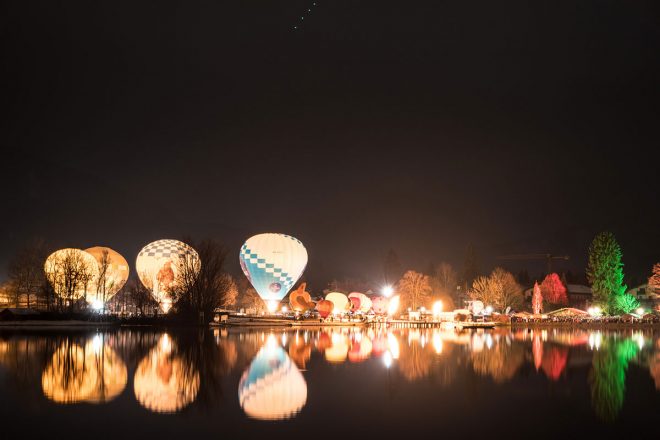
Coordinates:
(547, 257)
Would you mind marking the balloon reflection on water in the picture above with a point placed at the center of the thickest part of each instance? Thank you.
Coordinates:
(272, 388)
(93, 373)
(165, 382)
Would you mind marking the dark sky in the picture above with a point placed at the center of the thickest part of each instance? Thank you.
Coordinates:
(420, 126)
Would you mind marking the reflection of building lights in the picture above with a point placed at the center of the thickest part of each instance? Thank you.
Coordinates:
(387, 359)
(437, 343)
(595, 340)
(97, 343)
(393, 345)
(489, 341)
(388, 291)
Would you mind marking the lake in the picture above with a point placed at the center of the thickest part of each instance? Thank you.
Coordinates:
(214, 383)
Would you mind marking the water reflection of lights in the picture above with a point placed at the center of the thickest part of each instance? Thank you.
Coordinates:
(437, 343)
(93, 374)
(393, 346)
(387, 359)
(272, 388)
(595, 340)
(164, 381)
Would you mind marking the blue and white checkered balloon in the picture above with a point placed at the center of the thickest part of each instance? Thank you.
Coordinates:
(273, 263)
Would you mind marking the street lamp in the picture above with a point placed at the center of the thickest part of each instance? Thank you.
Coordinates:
(387, 291)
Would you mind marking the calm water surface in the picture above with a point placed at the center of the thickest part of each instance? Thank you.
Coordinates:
(327, 382)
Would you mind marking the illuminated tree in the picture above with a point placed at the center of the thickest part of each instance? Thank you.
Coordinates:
(654, 279)
(414, 289)
(553, 289)
(499, 290)
(537, 300)
(605, 271)
(626, 303)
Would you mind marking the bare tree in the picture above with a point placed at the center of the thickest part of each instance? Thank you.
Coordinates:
(26, 274)
(201, 288)
(250, 299)
(654, 279)
(499, 290)
(70, 275)
(414, 288)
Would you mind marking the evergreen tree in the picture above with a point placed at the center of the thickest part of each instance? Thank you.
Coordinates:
(605, 271)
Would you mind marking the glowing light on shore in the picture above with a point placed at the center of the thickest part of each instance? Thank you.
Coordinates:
(393, 306)
(387, 291)
(272, 306)
(437, 308)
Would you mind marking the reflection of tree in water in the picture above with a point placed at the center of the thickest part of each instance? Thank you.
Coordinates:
(654, 365)
(608, 377)
(554, 361)
(424, 355)
(93, 373)
(501, 361)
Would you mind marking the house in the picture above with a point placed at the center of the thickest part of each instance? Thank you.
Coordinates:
(579, 296)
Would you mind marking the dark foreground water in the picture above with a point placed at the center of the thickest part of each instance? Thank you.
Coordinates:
(328, 382)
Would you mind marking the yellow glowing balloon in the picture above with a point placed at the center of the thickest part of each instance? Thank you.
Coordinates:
(116, 273)
(158, 264)
(165, 382)
(60, 268)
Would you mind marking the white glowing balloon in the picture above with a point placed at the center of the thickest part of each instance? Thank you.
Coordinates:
(273, 263)
(340, 301)
(158, 265)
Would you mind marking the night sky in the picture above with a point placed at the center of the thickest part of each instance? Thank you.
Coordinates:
(418, 126)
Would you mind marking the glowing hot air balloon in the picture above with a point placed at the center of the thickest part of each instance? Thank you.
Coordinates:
(324, 307)
(365, 303)
(72, 273)
(340, 301)
(272, 388)
(113, 274)
(273, 263)
(300, 300)
(158, 265)
(355, 299)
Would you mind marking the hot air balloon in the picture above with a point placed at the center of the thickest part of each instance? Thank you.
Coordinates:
(365, 303)
(355, 299)
(113, 278)
(300, 300)
(165, 382)
(72, 273)
(379, 305)
(272, 388)
(158, 265)
(340, 302)
(324, 307)
(273, 263)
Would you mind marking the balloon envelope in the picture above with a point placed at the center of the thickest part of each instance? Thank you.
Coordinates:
(63, 262)
(116, 273)
(324, 307)
(273, 263)
(158, 265)
(355, 299)
(339, 300)
(365, 303)
(300, 300)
